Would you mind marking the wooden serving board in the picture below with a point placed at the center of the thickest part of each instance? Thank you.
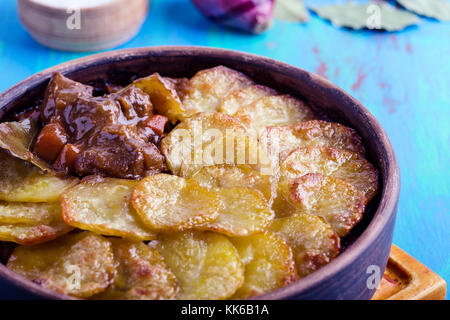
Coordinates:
(406, 278)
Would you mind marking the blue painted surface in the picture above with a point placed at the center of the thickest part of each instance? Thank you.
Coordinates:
(402, 78)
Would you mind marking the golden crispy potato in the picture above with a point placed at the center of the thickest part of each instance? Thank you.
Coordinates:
(102, 205)
(22, 182)
(17, 138)
(170, 203)
(281, 204)
(239, 98)
(274, 111)
(79, 264)
(163, 95)
(312, 240)
(141, 274)
(279, 141)
(206, 264)
(338, 202)
(179, 84)
(207, 89)
(231, 176)
(48, 225)
(345, 165)
(244, 212)
(28, 213)
(269, 264)
(207, 139)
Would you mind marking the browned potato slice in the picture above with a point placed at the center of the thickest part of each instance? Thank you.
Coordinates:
(274, 111)
(170, 203)
(345, 165)
(206, 264)
(281, 204)
(179, 84)
(312, 240)
(338, 202)
(281, 140)
(207, 139)
(48, 225)
(22, 182)
(79, 264)
(141, 274)
(28, 234)
(231, 176)
(207, 89)
(163, 95)
(244, 212)
(269, 264)
(239, 98)
(28, 213)
(102, 205)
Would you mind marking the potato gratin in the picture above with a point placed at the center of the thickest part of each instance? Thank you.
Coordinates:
(213, 187)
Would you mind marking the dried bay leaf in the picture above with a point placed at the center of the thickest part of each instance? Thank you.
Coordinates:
(290, 11)
(17, 138)
(372, 16)
(438, 9)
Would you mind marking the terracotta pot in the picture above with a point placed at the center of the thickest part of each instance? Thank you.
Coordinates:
(367, 245)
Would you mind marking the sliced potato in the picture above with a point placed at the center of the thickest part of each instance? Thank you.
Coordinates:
(206, 264)
(22, 182)
(179, 84)
(338, 202)
(312, 240)
(239, 98)
(102, 205)
(269, 264)
(279, 141)
(231, 176)
(170, 203)
(28, 213)
(164, 96)
(17, 137)
(30, 234)
(141, 274)
(282, 206)
(244, 212)
(207, 89)
(207, 139)
(345, 165)
(79, 264)
(273, 111)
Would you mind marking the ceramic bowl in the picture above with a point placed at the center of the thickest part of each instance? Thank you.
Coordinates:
(366, 248)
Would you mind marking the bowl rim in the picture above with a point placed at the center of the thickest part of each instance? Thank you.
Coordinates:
(385, 210)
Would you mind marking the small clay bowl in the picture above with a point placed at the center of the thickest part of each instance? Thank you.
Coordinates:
(104, 25)
(366, 248)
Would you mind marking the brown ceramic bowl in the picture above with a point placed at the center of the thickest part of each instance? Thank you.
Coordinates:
(368, 244)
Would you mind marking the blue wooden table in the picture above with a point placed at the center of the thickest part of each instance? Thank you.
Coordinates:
(403, 78)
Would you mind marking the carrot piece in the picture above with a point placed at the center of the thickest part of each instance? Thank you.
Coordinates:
(157, 123)
(50, 141)
(66, 158)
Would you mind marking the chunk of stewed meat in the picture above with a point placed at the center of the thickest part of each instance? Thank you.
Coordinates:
(114, 135)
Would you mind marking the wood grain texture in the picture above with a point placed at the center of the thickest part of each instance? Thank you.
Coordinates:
(402, 78)
(405, 278)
